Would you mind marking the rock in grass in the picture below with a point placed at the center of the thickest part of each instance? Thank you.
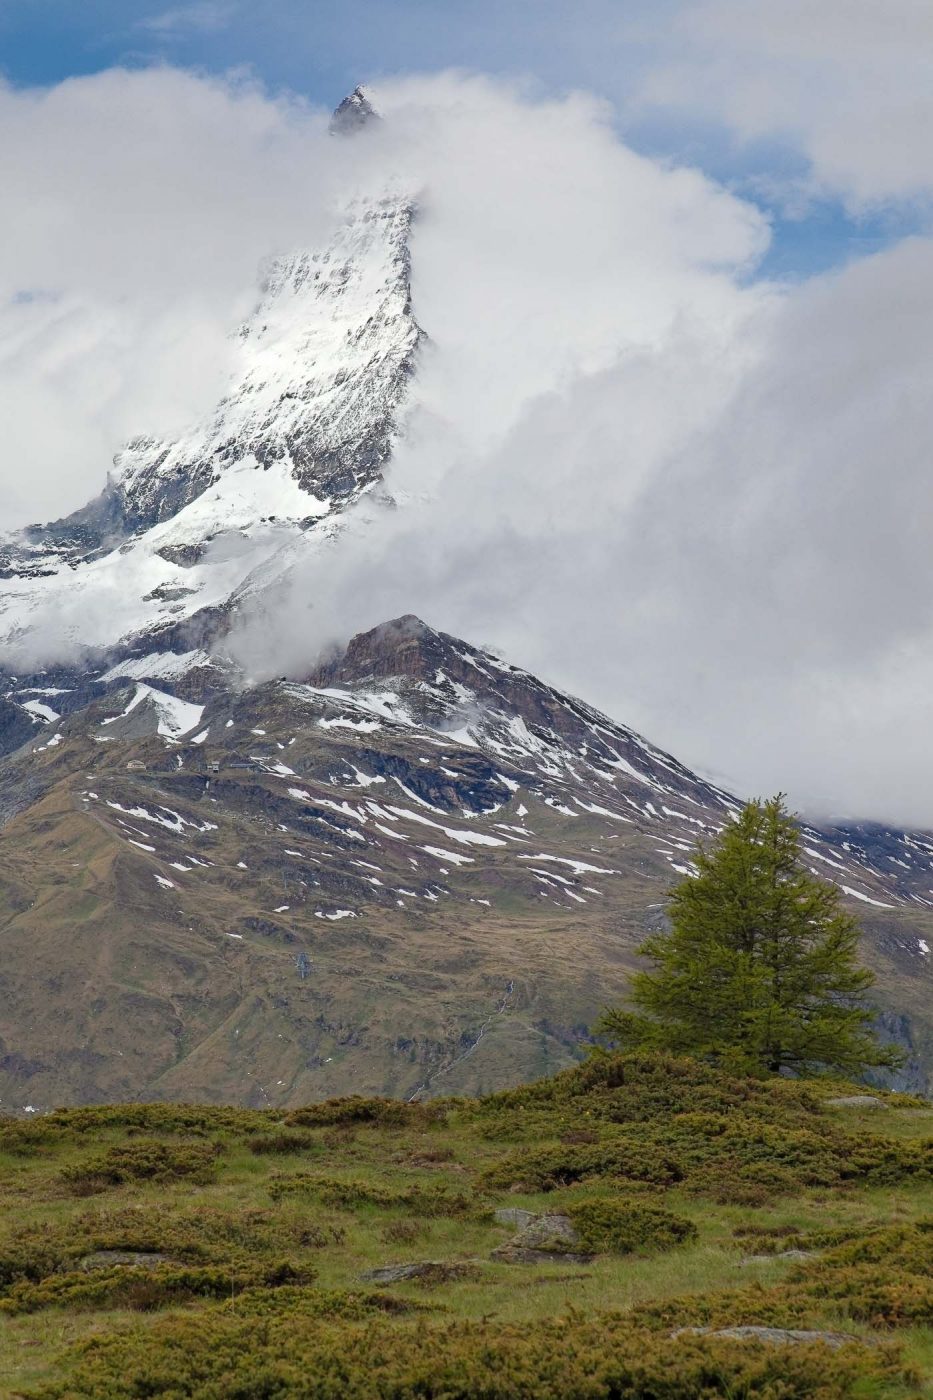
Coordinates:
(855, 1101)
(426, 1271)
(775, 1336)
(512, 1215)
(544, 1239)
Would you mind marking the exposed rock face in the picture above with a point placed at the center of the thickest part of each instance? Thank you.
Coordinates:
(449, 684)
(354, 113)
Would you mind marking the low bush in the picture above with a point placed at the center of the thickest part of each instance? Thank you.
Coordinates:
(145, 1160)
(402, 1231)
(26, 1137)
(202, 1236)
(384, 1113)
(734, 1160)
(569, 1357)
(628, 1227)
(31, 1258)
(776, 1239)
(281, 1144)
(548, 1168)
(884, 1278)
(643, 1088)
(189, 1119)
(293, 1302)
(347, 1194)
(145, 1290)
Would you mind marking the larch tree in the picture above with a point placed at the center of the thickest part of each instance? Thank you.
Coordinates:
(759, 970)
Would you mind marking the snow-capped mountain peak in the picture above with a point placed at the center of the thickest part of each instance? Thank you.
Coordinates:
(306, 425)
(354, 111)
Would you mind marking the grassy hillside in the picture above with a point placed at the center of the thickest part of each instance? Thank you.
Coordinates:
(181, 1251)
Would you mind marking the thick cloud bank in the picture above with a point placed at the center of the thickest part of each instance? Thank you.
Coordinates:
(696, 500)
(135, 209)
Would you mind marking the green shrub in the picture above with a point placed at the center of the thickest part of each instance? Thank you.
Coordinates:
(281, 1144)
(237, 1239)
(31, 1258)
(735, 1160)
(641, 1088)
(347, 1194)
(26, 1137)
(776, 1239)
(548, 1168)
(628, 1227)
(885, 1279)
(293, 1302)
(189, 1119)
(569, 1357)
(145, 1160)
(144, 1289)
(385, 1113)
(906, 1247)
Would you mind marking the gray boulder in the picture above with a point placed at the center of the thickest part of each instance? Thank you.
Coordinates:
(856, 1101)
(775, 1336)
(543, 1239)
(426, 1271)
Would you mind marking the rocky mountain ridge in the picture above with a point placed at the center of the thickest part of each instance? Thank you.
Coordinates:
(416, 870)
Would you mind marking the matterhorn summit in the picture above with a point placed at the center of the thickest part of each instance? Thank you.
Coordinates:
(354, 112)
(306, 426)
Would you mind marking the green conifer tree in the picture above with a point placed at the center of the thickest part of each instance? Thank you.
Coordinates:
(760, 968)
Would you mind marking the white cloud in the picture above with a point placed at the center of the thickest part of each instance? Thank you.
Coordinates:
(136, 207)
(847, 82)
(203, 17)
(696, 502)
(699, 502)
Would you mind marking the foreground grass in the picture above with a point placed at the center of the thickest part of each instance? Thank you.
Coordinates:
(265, 1223)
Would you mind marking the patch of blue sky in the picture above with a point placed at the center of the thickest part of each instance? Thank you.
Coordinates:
(323, 48)
(811, 231)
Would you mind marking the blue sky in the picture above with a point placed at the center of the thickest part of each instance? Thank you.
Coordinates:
(322, 48)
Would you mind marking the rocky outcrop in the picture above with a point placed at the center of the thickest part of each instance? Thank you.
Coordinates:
(427, 1272)
(542, 1239)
